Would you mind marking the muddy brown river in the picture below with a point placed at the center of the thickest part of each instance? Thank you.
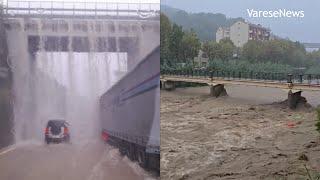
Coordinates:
(245, 135)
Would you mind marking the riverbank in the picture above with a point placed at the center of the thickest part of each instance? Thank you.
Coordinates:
(242, 136)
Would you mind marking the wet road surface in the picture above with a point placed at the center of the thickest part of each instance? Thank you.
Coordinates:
(87, 161)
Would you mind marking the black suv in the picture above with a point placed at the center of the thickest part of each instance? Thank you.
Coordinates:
(57, 131)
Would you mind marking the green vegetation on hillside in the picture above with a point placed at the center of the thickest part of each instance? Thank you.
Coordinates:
(271, 56)
(222, 50)
(205, 25)
(314, 57)
(246, 66)
(179, 47)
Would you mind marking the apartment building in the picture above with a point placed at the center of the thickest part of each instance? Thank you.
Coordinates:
(222, 32)
(241, 32)
(201, 60)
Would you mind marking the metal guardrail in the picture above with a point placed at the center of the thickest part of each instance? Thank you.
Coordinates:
(310, 79)
(142, 140)
(74, 9)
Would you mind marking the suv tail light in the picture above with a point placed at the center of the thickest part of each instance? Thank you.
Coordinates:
(105, 136)
(65, 131)
(46, 131)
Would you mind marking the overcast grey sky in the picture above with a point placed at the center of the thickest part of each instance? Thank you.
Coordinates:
(306, 29)
(120, 1)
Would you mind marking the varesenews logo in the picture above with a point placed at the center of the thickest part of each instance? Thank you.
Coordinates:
(280, 13)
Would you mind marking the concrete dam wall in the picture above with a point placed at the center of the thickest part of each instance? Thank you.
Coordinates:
(62, 66)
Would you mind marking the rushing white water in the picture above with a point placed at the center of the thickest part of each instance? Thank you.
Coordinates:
(67, 85)
(61, 67)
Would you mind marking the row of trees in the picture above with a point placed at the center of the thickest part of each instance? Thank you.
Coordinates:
(224, 50)
(277, 51)
(314, 57)
(177, 46)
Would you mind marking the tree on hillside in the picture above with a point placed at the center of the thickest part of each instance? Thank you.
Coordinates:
(314, 56)
(165, 30)
(223, 50)
(252, 51)
(190, 46)
(275, 51)
(227, 49)
(175, 44)
(204, 24)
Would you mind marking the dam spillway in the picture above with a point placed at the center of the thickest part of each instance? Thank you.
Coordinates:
(62, 65)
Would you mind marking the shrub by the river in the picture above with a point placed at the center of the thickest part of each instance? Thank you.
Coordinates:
(318, 119)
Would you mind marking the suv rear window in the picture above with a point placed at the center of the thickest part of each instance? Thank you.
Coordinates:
(56, 123)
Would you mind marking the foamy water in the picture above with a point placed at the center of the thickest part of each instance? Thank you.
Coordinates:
(66, 85)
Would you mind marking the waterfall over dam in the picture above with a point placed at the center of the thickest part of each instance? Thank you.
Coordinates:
(62, 66)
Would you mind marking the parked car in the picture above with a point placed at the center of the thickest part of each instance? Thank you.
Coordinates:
(57, 131)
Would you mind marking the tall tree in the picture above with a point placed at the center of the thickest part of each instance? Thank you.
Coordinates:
(165, 30)
(252, 51)
(223, 50)
(190, 46)
(227, 49)
(175, 44)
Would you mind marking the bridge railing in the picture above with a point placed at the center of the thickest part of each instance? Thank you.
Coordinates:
(88, 9)
(310, 79)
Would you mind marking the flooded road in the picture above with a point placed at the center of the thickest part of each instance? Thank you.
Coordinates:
(87, 161)
(242, 136)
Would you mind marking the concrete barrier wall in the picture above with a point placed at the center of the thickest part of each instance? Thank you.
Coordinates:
(6, 115)
(137, 38)
(37, 47)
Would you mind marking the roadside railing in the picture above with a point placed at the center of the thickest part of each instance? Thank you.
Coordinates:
(89, 9)
(311, 79)
(142, 140)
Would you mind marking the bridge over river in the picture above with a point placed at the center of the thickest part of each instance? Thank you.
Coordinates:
(293, 83)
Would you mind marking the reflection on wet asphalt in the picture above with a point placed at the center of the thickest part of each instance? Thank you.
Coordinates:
(87, 161)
